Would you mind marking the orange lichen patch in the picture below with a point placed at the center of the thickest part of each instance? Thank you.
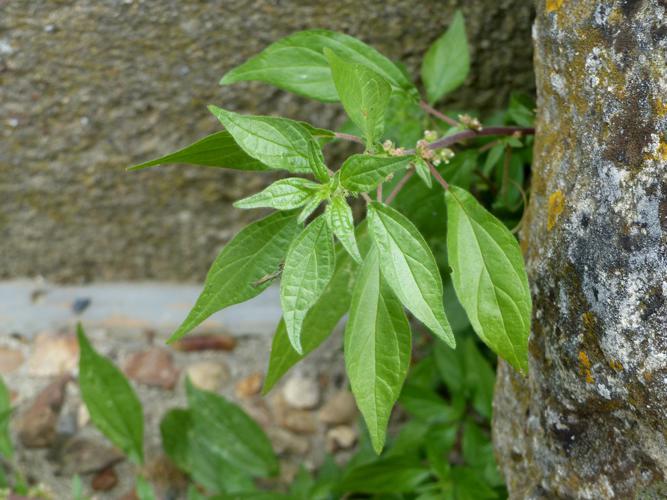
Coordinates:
(586, 367)
(616, 365)
(554, 5)
(556, 205)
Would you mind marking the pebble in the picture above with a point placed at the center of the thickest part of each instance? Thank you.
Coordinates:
(299, 421)
(10, 360)
(81, 455)
(208, 375)
(105, 480)
(339, 409)
(37, 425)
(301, 392)
(258, 410)
(194, 343)
(284, 442)
(53, 355)
(153, 367)
(340, 437)
(250, 385)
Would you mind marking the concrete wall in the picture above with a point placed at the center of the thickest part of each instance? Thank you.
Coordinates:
(88, 87)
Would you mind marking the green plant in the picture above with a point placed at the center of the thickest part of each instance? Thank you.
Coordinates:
(397, 257)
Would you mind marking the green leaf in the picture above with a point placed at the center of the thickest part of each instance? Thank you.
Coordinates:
(309, 266)
(6, 446)
(424, 173)
(388, 475)
(216, 150)
(113, 405)
(362, 173)
(493, 157)
(144, 489)
(285, 194)
(175, 430)
(378, 346)
(521, 109)
(339, 218)
(403, 120)
(310, 206)
(426, 405)
(363, 93)
(255, 252)
(279, 143)
(297, 64)
(320, 320)
(489, 277)
(409, 267)
(230, 434)
(447, 62)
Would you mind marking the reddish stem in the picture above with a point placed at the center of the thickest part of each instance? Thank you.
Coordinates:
(441, 116)
(348, 137)
(399, 186)
(437, 175)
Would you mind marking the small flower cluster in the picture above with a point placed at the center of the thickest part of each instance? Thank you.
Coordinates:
(434, 156)
(470, 122)
(391, 149)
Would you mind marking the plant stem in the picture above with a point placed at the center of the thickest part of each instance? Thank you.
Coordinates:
(366, 198)
(348, 137)
(437, 176)
(441, 116)
(450, 140)
(399, 186)
(378, 195)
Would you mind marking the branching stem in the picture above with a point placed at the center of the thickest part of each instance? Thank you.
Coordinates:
(399, 185)
(349, 137)
(437, 176)
(440, 116)
(450, 140)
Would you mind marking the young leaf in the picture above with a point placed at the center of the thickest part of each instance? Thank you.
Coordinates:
(216, 150)
(321, 319)
(362, 173)
(285, 194)
(279, 143)
(422, 170)
(387, 475)
(113, 405)
(252, 254)
(144, 489)
(230, 434)
(339, 218)
(297, 64)
(447, 62)
(363, 93)
(378, 346)
(311, 204)
(409, 267)
(309, 266)
(6, 446)
(489, 277)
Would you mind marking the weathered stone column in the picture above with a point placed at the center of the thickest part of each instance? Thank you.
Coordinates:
(590, 421)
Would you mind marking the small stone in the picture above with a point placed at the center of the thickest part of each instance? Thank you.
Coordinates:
(82, 416)
(153, 367)
(194, 343)
(301, 392)
(105, 480)
(37, 425)
(81, 455)
(341, 437)
(53, 355)
(284, 442)
(339, 409)
(299, 421)
(10, 360)
(250, 385)
(208, 375)
(258, 410)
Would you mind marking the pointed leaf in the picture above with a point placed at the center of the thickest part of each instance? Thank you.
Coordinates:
(377, 349)
(362, 173)
(285, 194)
(175, 430)
(297, 64)
(216, 150)
(255, 252)
(339, 218)
(6, 446)
(113, 405)
(230, 434)
(387, 475)
(310, 206)
(424, 173)
(309, 266)
(279, 143)
(363, 93)
(489, 277)
(320, 321)
(409, 267)
(447, 62)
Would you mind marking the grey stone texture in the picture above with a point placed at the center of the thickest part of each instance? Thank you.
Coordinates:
(88, 87)
(590, 420)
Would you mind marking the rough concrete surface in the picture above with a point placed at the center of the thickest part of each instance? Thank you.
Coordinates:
(88, 87)
(590, 421)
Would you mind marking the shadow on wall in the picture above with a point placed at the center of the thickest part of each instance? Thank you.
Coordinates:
(88, 88)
